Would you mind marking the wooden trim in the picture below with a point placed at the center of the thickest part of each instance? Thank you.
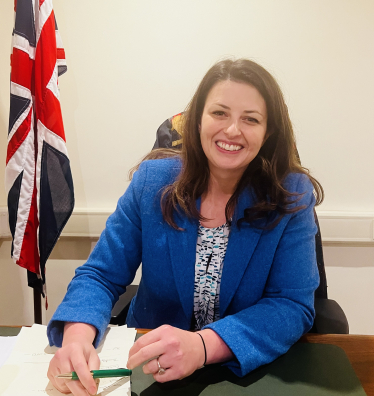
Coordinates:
(143, 331)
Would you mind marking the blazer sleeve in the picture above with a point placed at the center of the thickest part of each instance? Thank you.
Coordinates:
(259, 334)
(111, 266)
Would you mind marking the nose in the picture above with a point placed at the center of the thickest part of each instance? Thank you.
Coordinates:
(233, 129)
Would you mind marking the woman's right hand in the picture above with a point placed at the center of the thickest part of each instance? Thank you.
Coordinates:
(77, 354)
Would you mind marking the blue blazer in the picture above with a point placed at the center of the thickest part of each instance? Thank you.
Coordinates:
(268, 279)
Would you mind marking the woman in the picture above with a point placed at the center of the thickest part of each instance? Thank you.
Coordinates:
(225, 232)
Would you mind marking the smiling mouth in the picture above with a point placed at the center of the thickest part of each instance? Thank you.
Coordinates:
(228, 147)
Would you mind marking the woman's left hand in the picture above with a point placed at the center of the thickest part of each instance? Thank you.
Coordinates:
(179, 352)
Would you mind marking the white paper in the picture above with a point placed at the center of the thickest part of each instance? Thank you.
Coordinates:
(25, 371)
(6, 346)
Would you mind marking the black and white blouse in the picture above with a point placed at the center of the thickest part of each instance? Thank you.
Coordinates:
(210, 254)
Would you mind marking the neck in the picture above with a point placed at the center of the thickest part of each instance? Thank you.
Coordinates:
(221, 187)
(222, 184)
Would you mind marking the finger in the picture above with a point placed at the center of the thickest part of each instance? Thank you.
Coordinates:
(77, 389)
(169, 375)
(145, 354)
(93, 361)
(80, 366)
(151, 367)
(53, 371)
(149, 338)
(58, 384)
(67, 385)
(65, 391)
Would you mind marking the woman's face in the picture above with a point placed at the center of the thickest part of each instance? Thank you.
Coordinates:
(233, 127)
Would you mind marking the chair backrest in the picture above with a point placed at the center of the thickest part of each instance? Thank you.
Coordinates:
(321, 291)
(170, 135)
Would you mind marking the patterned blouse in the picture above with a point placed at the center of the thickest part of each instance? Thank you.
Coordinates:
(210, 254)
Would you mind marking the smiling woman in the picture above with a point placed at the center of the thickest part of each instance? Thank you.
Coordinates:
(237, 102)
(233, 128)
(232, 132)
(225, 232)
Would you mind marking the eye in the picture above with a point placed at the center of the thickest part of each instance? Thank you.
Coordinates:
(251, 120)
(219, 113)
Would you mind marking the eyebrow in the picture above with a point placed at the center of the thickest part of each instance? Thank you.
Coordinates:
(245, 111)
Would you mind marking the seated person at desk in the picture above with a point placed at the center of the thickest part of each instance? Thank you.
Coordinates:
(225, 233)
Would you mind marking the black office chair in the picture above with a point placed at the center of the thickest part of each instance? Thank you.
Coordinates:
(329, 319)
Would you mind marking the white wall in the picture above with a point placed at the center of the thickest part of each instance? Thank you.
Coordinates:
(350, 278)
(133, 64)
(16, 299)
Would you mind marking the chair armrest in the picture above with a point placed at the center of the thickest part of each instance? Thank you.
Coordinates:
(121, 307)
(330, 318)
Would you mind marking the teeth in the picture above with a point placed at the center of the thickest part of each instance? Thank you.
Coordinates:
(228, 147)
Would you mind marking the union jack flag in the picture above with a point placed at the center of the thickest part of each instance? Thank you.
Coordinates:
(37, 178)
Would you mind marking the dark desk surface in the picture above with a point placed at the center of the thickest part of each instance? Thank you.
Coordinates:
(359, 349)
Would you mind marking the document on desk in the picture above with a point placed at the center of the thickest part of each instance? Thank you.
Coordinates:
(25, 371)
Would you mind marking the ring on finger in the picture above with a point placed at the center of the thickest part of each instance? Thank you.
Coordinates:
(161, 370)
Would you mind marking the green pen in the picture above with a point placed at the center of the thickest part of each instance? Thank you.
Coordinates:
(99, 374)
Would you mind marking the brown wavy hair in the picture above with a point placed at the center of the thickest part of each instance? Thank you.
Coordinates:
(264, 174)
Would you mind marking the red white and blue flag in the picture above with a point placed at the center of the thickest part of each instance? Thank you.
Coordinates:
(37, 178)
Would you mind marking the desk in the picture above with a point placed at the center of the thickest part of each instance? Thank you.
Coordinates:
(359, 349)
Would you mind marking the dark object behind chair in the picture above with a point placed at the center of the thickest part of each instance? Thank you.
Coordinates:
(329, 319)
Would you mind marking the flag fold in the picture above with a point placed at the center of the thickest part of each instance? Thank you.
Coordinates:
(38, 178)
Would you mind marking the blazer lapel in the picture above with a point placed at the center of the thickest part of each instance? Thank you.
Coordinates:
(182, 245)
(241, 245)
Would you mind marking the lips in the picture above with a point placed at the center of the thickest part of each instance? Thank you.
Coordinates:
(229, 147)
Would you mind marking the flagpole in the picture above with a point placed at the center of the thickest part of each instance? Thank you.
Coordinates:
(37, 307)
